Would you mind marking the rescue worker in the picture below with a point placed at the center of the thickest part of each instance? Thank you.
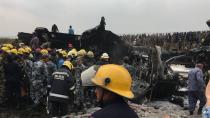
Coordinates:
(51, 68)
(62, 55)
(79, 92)
(72, 55)
(35, 42)
(113, 84)
(2, 78)
(38, 82)
(13, 77)
(27, 72)
(129, 67)
(89, 59)
(80, 59)
(196, 87)
(104, 59)
(62, 81)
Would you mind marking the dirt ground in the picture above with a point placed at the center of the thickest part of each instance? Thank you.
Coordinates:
(157, 109)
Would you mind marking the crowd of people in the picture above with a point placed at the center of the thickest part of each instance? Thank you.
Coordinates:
(40, 77)
(168, 41)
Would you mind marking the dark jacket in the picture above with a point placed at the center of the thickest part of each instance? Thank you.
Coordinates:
(115, 109)
(12, 72)
(60, 86)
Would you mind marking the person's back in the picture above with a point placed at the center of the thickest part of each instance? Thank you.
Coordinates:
(35, 43)
(195, 80)
(59, 94)
(12, 71)
(61, 85)
(115, 109)
(196, 88)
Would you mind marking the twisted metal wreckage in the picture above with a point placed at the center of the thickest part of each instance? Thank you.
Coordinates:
(153, 79)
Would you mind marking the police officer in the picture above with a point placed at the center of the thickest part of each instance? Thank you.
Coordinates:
(62, 81)
(113, 83)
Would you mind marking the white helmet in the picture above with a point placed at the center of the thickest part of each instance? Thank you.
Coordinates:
(104, 56)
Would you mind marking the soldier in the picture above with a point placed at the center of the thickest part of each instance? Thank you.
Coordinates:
(38, 81)
(51, 68)
(27, 71)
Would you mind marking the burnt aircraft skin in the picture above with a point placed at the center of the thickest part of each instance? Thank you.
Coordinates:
(100, 40)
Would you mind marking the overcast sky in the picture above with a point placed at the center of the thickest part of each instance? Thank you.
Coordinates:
(122, 16)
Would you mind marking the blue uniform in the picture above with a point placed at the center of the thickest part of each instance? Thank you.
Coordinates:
(196, 88)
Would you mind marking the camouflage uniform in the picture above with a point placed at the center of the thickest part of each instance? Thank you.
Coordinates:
(38, 81)
(2, 79)
(27, 70)
(51, 67)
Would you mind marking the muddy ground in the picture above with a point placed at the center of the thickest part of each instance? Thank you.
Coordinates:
(157, 109)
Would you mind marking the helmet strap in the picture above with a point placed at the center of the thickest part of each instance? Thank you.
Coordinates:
(101, 103)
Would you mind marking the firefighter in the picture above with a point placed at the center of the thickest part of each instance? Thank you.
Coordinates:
(62, 81)
(113, 84)
(104, 59)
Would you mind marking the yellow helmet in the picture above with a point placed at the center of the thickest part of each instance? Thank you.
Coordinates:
(14, 51)
(8, 51)
(68, 64)
(8, 45)
(72, 53)
(114, 78)
(104, 56)
(21, 51)
(28, 49)
(81, 53)
(64, 53)
(90, 54)
(5, 49)
(44, 52)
